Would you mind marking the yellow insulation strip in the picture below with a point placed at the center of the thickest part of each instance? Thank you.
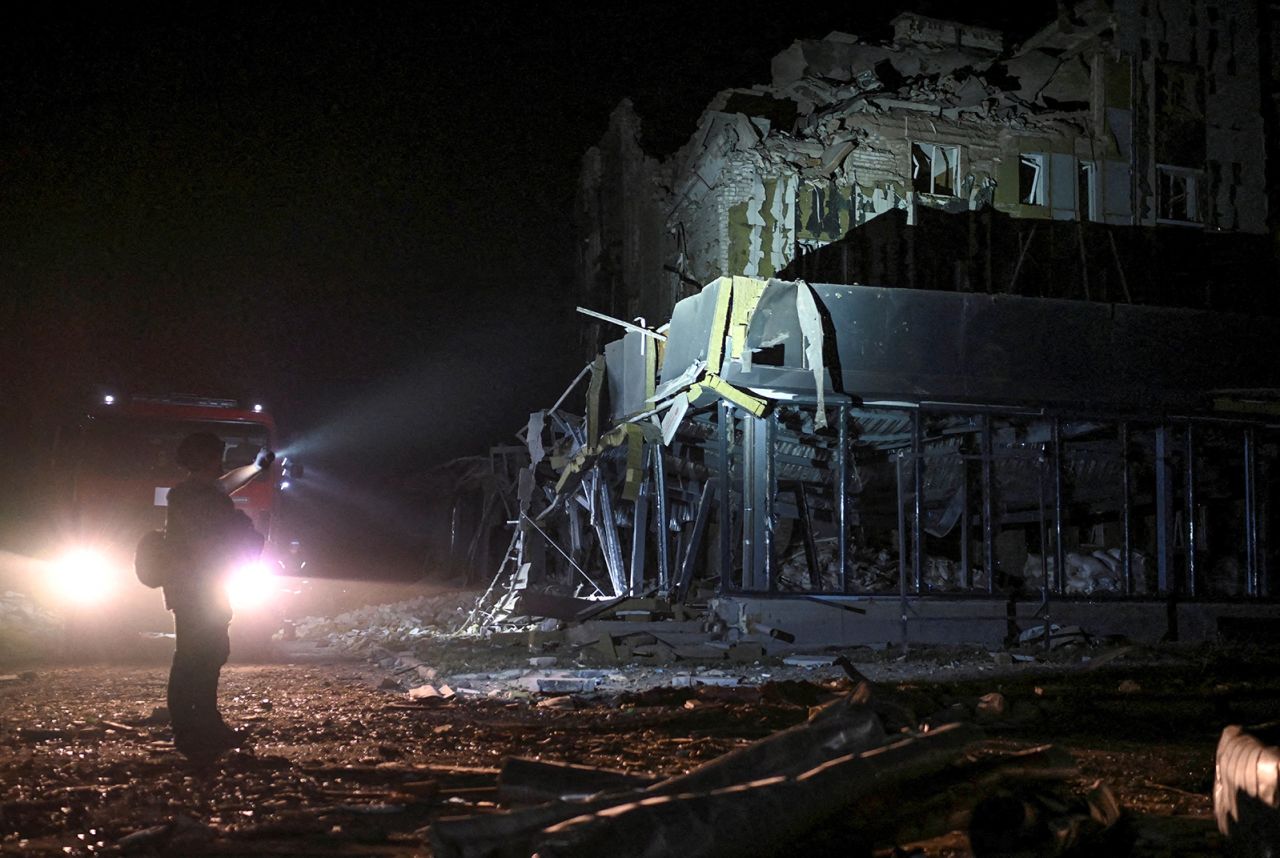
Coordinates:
(746, 295)
(712, 387)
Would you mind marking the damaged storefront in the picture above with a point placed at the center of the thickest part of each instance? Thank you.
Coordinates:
(832, 464)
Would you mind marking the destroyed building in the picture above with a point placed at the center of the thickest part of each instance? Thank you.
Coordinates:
(1116, 155)
(960, 342)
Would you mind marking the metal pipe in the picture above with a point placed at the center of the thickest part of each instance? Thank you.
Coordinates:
(586, 369)
(622, 324)
(767, 502)
(1059, 550)
(1191, 510)
(917, 518)
(1253, 583)
(966, 574)
(988, 506)
(1044, 536)
(1164, 512)
(902, 546)
(841, 499)
(1127, 508)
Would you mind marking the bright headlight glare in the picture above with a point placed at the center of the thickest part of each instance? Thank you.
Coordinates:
(250, 585)
(82, 576)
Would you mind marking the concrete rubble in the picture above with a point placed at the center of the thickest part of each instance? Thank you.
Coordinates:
(868, 769)
(359, 631)
(25, 627)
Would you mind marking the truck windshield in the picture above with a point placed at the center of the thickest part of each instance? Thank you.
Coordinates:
(145, 448)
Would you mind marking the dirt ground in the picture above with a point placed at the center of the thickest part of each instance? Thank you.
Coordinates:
(342, 766)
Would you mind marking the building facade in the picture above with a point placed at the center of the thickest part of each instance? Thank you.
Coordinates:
(1118, 154)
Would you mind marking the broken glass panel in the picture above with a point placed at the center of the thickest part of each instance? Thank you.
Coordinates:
(1031, 184)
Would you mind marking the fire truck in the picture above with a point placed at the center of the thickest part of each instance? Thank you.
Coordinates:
(114, 465)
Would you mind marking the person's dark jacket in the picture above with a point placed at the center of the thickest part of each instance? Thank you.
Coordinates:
(208, 537)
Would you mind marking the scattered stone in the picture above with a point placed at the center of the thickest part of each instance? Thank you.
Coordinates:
(562, 702)
(746, 651)
(543, 661)
(991, 707)
(809, 661)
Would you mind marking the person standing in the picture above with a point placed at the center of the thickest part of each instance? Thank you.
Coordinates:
(206, 538)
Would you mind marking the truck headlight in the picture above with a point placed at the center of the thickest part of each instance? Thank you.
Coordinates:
(82, 576)
(250, 585)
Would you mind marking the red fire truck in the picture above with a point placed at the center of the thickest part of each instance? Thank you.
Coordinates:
(115, 466)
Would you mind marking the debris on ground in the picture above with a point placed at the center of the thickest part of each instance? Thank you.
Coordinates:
(359, 631)
(843, 774)
(1246, 789)
(26, 629)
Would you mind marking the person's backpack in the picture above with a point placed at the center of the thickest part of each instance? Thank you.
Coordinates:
(153, 559)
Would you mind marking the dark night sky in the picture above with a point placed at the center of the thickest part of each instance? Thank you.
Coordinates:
(342, 209)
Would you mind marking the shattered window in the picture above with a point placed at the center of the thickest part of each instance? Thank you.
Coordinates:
(1031, 181)
(1179, 195)
(935, 169)
(1087, 190)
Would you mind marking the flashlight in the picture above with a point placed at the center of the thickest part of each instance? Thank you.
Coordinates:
(234, 480)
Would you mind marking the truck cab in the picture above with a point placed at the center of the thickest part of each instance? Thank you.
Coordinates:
(115, 464)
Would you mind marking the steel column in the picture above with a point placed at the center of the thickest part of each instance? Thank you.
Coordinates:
(917, 518)
(902, 545)
(757, 503)
(966, 574)
(1126, 524)
(1164, 512)
(1059, 550)
(639, 534)
(607, 530)
(1045, 585)
(726, 496)
(988, 506)
(1253, 581)
(690, 557)
(1190, 494)
(840, 494)
(663, 534)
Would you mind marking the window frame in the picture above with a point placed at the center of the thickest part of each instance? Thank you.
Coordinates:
(953, 168)
(1194, 194)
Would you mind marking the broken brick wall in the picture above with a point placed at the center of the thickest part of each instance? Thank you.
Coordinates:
(1120, 113)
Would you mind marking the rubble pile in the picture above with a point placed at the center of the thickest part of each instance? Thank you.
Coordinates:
(1100, 571)
(871, 571)
(25, 627)
(870, 769)
(392, 626)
